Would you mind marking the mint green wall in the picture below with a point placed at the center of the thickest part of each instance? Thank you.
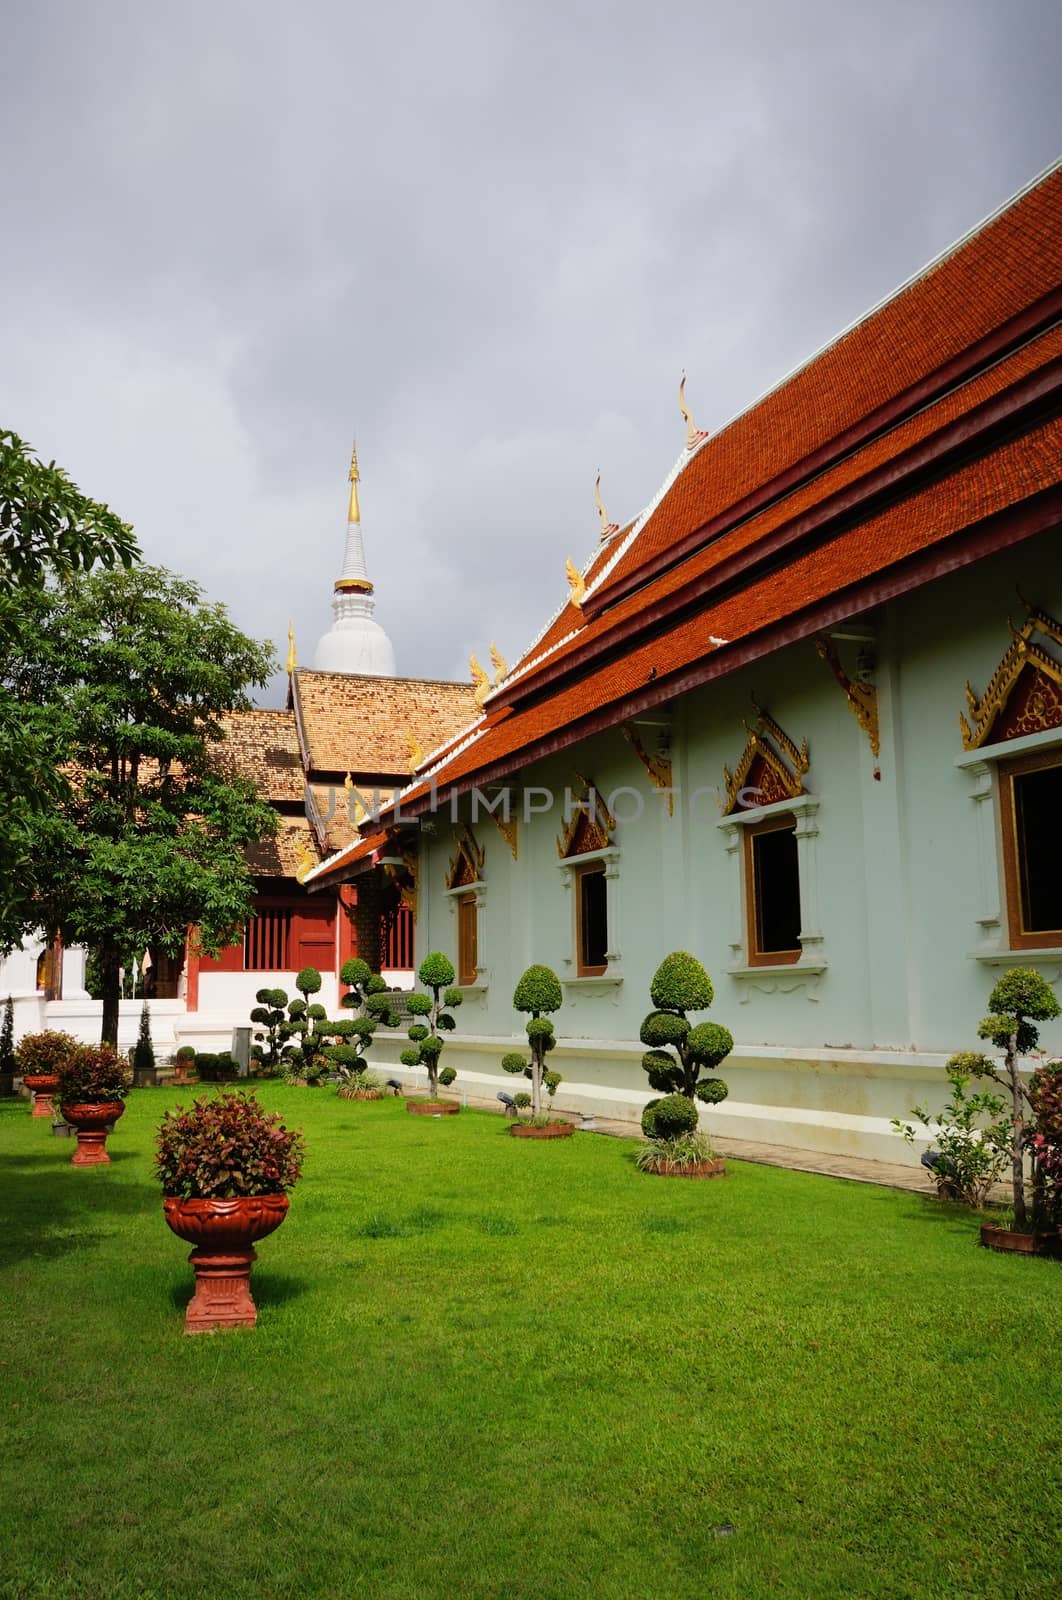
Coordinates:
(897, 868)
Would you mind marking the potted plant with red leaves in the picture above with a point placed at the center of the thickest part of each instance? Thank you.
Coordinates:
(93, 1084)
(1045, 1144)
(39, 1057)
(226, 1166)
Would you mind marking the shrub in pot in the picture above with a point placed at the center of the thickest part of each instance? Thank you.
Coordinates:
(681, 1053)
(39, 1057)
(432, 1018)
(369, 1000)
(226, 1167)
(676, 1144)
(93, 1084)
(1019, 1000)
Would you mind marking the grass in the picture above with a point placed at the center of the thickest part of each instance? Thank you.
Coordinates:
(518, 1371)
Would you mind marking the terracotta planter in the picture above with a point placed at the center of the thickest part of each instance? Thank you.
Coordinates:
(1025, 1244)
(93, 1123)
(552, 1130)
(42, 1085)
(433, 1108)
(224, 1233)
(703, 1169)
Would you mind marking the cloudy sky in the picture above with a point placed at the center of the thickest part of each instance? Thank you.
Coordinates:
(486, 236)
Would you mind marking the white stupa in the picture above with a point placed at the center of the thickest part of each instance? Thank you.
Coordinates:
(354, 642)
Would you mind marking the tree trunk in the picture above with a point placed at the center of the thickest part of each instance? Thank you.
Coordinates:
(536, 1077)
(110, 964)
(1017, 1132)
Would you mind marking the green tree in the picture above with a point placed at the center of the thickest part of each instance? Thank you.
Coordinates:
(49, 532)
(538, 993)
(432, 1018)
(133, 671)
(680, 985)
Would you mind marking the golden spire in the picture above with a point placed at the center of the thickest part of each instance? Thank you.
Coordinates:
(576, 583)
(694, 435)
(499, 663)
(480, 680)
(354, 514)
(600, 504)
(293, 659)
(416, 750)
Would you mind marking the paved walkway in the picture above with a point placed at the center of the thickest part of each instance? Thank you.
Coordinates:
(888, 1174)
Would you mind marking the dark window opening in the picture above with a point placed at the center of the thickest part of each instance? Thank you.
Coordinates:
(1038, 841)
(592, 915)
(774, 892)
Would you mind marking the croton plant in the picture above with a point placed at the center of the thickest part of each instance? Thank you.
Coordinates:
(226, 1147)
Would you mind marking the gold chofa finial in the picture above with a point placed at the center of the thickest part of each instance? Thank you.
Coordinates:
(499, 663)
(606, 526)
(416, 751)
(293, 660)
(576, 583)
(480, 680)
(354, 513)
(694, 435)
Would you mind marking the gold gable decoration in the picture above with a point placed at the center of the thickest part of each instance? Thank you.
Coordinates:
(466, 865)
(405, 878)
(1001, 711)
(862, 696)
(591, 824)
(658, 766)
(783, 765)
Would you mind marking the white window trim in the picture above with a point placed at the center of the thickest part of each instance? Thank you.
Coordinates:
(613, 973)
(981, 768)
(812, 960)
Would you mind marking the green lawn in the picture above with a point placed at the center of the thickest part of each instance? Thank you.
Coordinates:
(494, 1370)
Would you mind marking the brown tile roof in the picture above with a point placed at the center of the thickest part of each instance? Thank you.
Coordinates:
(991, 277)
(365, 725)
(282, 857)
(342, 811)
(264, 746)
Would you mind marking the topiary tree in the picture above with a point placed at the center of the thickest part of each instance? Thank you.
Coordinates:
(269, 1014)
(7, 1048)
(538, 992)
(366, 995)
(144, 1050)
(670, 1117)
(431, 1018)
(679, 1052)
(1020, 1000)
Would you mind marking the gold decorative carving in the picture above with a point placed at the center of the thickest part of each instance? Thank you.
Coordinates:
(499, 663)
(353, 510)
(591, 824)
(305, 861)
(1042, 706)
(607, 528)
(506, 826)
(862, 697)
(576, 583)
(657, 766)
(480, 679)
(416, 751)
(694, 435)
(466, 865)
(405, 879)
(783, 765)
(291, 665)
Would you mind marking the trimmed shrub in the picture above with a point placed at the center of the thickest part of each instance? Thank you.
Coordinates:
(538, 990)
(681, 1052)
(680, 983)
(669, 1117)
(436, 971)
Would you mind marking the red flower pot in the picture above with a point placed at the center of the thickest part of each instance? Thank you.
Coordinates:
(93, 1124)
(1024, 1244)
(42, 1085)
(702, 1169)
(552, 1130)
(224, 1233)
(433, 1108)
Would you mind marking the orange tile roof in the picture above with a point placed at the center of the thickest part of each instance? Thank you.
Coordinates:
(1008, 475)
(879, 452)
(1001, 270)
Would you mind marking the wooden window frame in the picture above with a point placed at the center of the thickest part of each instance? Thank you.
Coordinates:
(1020, 937)
(754, 955)
(467, 911)
(586, 870)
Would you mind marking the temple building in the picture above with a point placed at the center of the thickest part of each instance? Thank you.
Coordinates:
(802, 716)
(349, 736)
